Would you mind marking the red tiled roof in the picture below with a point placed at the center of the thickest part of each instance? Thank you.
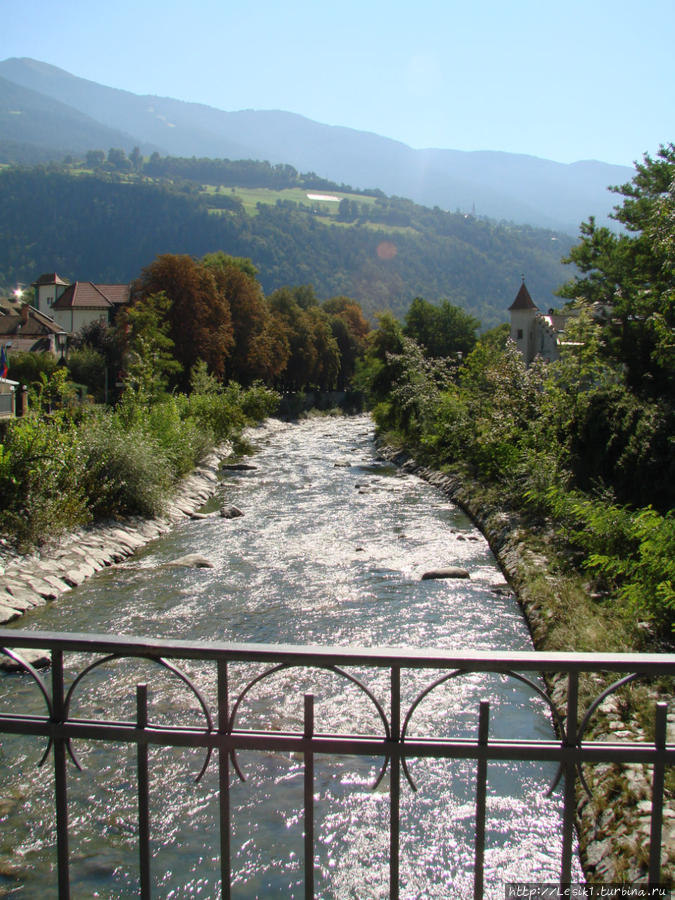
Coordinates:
(118, 294)
(86, 295)
(523, 300)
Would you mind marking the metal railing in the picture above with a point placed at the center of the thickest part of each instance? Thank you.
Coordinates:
(221, 736)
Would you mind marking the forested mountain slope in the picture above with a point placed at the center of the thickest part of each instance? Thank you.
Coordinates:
(106, 229)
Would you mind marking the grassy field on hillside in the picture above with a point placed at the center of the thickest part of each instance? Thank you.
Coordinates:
(250, 197)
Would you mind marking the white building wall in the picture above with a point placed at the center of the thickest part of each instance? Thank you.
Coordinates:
(522, 332)
(72, 320)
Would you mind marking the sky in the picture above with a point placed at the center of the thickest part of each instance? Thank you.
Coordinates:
(565, 81)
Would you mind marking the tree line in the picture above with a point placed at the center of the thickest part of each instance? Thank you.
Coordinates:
(215, 310)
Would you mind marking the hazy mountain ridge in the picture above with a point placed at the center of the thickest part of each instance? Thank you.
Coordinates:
(27, 115)
(504, 186)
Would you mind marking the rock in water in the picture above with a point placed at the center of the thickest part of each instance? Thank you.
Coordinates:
(231, 512)
(39, 659)
(192, 561)
(238, 467)
(449, 572)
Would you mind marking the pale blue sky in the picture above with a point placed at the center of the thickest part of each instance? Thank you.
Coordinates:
(575, 80)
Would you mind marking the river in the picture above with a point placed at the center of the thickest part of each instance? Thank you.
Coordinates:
(330, 551)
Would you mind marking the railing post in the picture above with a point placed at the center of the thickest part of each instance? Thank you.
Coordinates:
(658, 777)
(224, 781)
(309, 799)
(60, 790)
(395, 784)
(569, 770)
(143, 789)
(481, 797)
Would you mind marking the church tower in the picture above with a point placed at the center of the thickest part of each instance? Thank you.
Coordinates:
(523, 314)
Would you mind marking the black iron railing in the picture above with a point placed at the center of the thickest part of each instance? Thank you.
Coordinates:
(221, 736)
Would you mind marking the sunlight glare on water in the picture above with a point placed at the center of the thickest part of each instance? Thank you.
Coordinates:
(330, 551)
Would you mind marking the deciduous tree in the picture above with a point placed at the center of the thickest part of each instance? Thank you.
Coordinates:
(200, 318)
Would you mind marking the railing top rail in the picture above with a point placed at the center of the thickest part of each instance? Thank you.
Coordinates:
(405, 657)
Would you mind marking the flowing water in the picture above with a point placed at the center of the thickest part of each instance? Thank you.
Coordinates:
(329, 551)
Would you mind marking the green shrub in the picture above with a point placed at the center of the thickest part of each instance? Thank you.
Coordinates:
(217, 414)
(183, 442)
(41, 478)
(645, 575)
(87, 367)
(258, 402)
(127, 471)
(26, 367)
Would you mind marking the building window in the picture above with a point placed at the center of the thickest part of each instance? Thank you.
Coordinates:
(519, 334)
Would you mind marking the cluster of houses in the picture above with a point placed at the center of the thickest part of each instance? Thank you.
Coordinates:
(44, 323)
(59, 309)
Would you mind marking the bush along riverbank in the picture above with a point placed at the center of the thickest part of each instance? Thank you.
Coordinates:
(72, 467)
(82, 491)
(31, 580)
(613, 823)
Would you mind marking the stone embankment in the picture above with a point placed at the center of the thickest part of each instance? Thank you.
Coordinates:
(613, 824)
(30, 581)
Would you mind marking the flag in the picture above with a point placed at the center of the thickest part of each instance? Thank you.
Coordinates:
(4, 367)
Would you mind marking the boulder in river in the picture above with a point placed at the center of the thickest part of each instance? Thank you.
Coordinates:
(447, 572)
(238, 467)
(230, 512)
(192, 561)
(39, 659)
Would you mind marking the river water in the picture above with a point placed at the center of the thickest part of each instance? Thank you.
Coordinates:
(329, 551)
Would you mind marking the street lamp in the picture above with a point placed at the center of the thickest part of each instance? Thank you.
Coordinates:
(61, 343)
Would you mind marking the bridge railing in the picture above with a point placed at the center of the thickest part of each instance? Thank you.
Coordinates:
(221, 735)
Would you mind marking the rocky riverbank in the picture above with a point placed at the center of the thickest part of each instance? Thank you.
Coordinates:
(34, 580)
(614, 823)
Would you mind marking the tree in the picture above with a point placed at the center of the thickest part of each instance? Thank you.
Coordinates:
(350, 328)
(199, 315)
(103, 339)
(381, 367)
(237, 285)
(95, 158)
(136, 159)
(149, 358)
(117, 160)
(630, 276)
(313, 359)
(327, 352)
(442, 330)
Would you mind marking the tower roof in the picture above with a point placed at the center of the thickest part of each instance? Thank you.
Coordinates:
(523, 300)
(49, 278)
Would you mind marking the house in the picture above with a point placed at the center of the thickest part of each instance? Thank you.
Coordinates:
(73, 306)
(30, 330)
(536, 333)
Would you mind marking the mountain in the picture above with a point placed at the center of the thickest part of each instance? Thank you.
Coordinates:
(503, 186)
(27, 117)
